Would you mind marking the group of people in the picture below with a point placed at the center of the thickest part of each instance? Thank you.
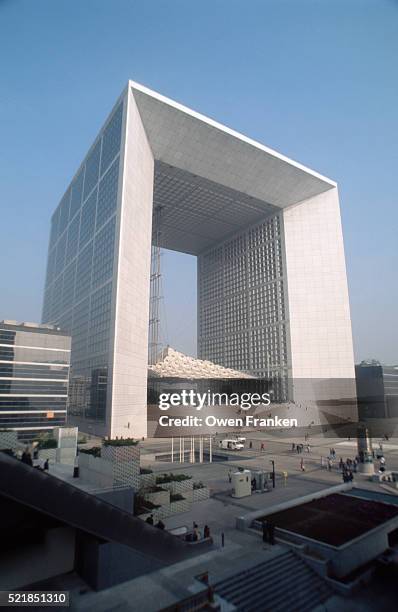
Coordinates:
(191, 536)
(150, 520)
(299, 448)
(195, 535)
(27, 459)
(349, 464)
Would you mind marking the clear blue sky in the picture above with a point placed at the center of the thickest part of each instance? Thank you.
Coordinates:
(314, 79)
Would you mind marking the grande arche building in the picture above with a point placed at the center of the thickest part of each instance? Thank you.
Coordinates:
(266, 230)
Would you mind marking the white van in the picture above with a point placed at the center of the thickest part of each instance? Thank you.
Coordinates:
(231, 445)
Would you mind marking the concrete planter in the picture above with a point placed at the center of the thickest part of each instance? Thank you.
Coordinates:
(178, 486)
(160, 498)
(48, 453)
(126, 464)
(118, 465)
(66, 455)
(95, 470)
(147, 480)
(8, 440)
(119, 454)
(184, 505)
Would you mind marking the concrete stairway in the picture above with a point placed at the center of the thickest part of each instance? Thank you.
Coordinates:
(284, 583)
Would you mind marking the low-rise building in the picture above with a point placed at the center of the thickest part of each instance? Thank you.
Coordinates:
(34, 376)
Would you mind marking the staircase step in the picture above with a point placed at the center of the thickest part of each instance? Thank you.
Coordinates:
(285, 582)
(269, 562)
(303, 604)
(267, 568)
(274, 593)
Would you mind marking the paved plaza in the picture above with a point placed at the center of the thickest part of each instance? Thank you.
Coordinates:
(221, 510)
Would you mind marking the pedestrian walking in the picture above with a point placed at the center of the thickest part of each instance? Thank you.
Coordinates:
(265, 532)
(271, 533)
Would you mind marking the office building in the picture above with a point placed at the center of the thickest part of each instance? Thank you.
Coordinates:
(272, 288)
(377, 390)
(34, 374)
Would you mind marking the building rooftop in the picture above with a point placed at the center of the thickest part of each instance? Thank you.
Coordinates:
(211, 181)
(335, 519)
(30, 326)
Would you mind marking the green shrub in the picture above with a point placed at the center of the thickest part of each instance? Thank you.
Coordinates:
(121, 442)
(146, 471)
(142, 506)
(94, 450)
(198, 485)
(172, 478)
(47, 443)
(154, 489)
(176, 497)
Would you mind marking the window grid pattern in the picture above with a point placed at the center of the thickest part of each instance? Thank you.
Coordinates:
(111, 139)
(100, 316)
(87, 223)
(77, 194)
(64, 212)
(107, 194)
(78, 286)
(61, 252)
(51, 266)
(68, 290)
(83, 272)
(92, 169)
(103, 254)
(242, 303)
(73, 239)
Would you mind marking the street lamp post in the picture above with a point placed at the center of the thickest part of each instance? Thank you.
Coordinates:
(273, 473)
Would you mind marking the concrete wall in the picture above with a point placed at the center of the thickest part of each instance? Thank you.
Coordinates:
(36, 562)
(319, 322)
(319, 310)
(342, 560)
(131, 297)
(116, 466)
(122, 497)
(105, 564)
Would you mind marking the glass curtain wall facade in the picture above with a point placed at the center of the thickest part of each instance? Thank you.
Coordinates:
(242, 314)
(34, 373)
(377, 390)
(80, 269)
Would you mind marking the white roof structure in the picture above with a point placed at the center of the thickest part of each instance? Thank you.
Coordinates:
(212, 181)
(177, 365)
